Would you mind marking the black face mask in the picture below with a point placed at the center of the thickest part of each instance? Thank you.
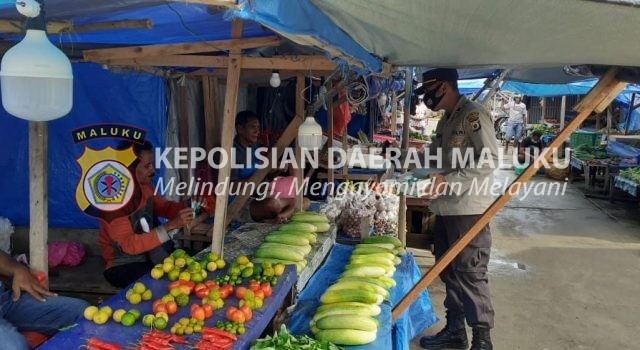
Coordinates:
(430, 99)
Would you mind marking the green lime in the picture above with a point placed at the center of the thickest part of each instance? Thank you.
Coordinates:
(128, 319)
(135, 313)
(160, 323)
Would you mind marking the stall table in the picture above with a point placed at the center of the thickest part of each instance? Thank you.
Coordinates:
(626, 185)
(390, 336)
(592, 168)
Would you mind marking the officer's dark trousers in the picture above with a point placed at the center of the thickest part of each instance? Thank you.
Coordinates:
(466, 277)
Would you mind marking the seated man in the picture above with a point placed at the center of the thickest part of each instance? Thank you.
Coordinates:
(130, 243)
(531, 145)
(38, 310)
(246, 140)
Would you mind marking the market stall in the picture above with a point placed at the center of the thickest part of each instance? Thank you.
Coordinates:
(628, 180)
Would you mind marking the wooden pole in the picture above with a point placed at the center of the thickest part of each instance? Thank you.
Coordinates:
(183, 131)
(230, 105)
(39, 206)
(402, 219)
(629, 114)
(329, 101)
(394, 114)
(408, 84)
(563, 111)
(299, 112)
(597, 96)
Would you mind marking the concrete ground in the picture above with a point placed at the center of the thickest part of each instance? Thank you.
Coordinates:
(565, 273)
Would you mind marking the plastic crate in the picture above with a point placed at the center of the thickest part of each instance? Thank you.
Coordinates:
(579, 138)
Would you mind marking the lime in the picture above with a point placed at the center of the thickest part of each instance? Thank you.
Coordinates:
(135, 313)
(90, 312)
(147, 295)
(188, 330)
(212, 256)
(242, 260)
(160, 323)
(139, 288)
(117, 315)
(247, 272)
(157, 273)
(168, 266)
(135, 298)
(184, 321)
(107, 310)
(179, 253)
(278, 270)
(128, 319)
(221, 264)
(100, 317)
(147, 320)
(185, 276)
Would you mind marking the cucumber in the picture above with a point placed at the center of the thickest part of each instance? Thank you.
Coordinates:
(304, 250)
(390, 282)
(365, 271)
(382, 239)
(282, 253)
(358, 322)
(374, 310)
(297, 226)
(344, 295)
(299, 264)
(309, 217)
(287, 239)
(370, 249)
(310, 236)
(353, 310)
(387, 268)
(371, 280)
(347, 284)
(388, 256)
(367, 259)
(322, 227)
(346, 336)
(387, 246)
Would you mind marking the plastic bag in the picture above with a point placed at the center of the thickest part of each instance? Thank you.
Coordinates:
(6, 230)
(65, 253)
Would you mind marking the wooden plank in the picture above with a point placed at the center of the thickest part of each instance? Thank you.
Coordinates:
(17, 26)
(593, 98)
(305, 63)
(563, 111)
(300, 85)
(111, 25)
(329, 102)
(402, 219)
(597, 90)
(38, 197)
(209, 91)
(178, 49)
(184, 128)
(613, 93)
(230, 106)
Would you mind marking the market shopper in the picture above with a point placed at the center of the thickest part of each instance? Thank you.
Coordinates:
(244, 152)
(517, 120)
(28, 306)
(131, 240)
(466, 126)
(530, 147)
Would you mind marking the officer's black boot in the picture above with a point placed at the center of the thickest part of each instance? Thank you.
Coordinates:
(481, 339)
(452, 336)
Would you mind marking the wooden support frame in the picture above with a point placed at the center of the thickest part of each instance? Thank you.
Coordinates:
(178, 49)
(304, 63)
(230, 105)
(394, 114)
(300, 85)
(38, 198)
(599, 95)
(331, 174)
(184, 128)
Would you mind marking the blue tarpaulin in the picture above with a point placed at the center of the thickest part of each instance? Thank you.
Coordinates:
(418, 317)
(100, 96)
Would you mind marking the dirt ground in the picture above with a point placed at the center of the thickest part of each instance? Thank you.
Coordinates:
(564, 274)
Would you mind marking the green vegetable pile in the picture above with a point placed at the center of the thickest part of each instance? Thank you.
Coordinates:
(586, 152)
(543, 129)
(418, 136)
(632, 174)
(283, 340)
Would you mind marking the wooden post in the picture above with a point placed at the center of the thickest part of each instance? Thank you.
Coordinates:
(330, 170)
(408, 84)
(210, 94)
(299, 112)
(230, 105)
(402, 219)
(598, 95)
(543, 105)
(183, 131)
(394, 114)
(629, 114)
(563, 111)
(39, 205)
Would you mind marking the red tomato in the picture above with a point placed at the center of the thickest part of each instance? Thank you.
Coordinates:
(174, 284)
(185, 289)
(240, 292)
(202, 293)
(208, 310)
(248, 315)
(230, 311)
(172, 307)
(266, 289)
(190, 284)
(197, 312)
(211, 284)
(238, 317)
(156, 303)
(259, 294)
(200, 286)
(160, 308)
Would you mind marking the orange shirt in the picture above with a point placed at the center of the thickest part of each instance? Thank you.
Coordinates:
(120, 231)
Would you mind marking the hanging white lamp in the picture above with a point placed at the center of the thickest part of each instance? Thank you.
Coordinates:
(36, 77)
(274, 81)
(310, 134)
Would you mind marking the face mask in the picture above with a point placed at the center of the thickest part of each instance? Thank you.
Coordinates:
(430, 99)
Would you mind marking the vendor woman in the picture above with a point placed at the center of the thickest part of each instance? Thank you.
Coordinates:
(246, 140)
(130, 241)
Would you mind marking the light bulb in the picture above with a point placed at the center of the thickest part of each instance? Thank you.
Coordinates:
(310, 134)
(275, 79)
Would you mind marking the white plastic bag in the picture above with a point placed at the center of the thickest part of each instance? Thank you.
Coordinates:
(6, 230)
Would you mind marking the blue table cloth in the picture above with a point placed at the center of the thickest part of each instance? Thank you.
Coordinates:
(113, 332)
(390, 336)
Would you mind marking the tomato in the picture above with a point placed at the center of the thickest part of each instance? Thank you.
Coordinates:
(197, 312)
(208, 310)
(248, 315)
(230, 311)
(211, 284)
(237, 316)
(156, 303)
(225, 291)
(254, 285)
(240, 292)
(200, 286)
(266, 289)
(202, 293)
(259, 294)
(160, 308)
(190, 284)
(174, 284)
(172, 307)
(185, 289)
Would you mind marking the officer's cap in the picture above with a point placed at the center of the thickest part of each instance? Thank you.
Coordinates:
(438, 74)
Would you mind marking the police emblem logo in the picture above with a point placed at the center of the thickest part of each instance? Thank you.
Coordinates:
(473, 119)
(109, 185)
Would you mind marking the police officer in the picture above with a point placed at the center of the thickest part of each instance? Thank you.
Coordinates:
(458, 200)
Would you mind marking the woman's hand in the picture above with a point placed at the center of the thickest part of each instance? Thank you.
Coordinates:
(182, 219)
(24, 280)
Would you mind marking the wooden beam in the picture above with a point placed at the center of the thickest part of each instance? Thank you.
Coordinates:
(402, 219)
(394, 114)
(111, 25)
(17, 26)
(563, 111)
(179, 49)
(229, 121)
(300, 85)
(38, 198)
(209, 93)
(184, 128)
(304, 63)
(595, 97)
